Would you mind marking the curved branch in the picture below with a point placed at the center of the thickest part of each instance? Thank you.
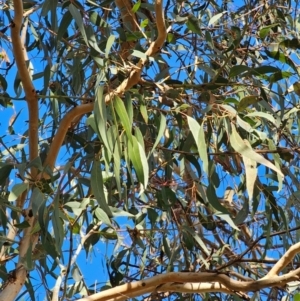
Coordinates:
(129, 82)
(190, 288)
(284, 261)
(20, 55)
(62, 130)
(130, 22)
(216, 280)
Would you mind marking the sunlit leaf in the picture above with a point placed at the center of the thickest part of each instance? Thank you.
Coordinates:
(247, 101)
(216, 17)
(251, 172)
(239, 145)
(109, 43)
(122, 113)
(17, 190)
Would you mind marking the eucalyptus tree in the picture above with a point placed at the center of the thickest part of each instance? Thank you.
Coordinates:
(164, 135)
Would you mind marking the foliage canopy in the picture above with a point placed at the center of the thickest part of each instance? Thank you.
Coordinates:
(165, 134)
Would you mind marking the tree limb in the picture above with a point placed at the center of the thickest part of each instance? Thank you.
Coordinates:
(62, 130)
(216, 280)
(130, 23)
(128, 83)
(284, 261)
(30, 93)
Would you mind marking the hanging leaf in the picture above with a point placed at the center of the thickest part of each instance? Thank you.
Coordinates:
(100, 117)
(79, 21)
(264, 31)
(251, 172)
(293, 43)
(239, 145)
(247, 101)
(162, 127)
(4, 173)
(136, 7)
(122, 113)
(193, 24)
(109, 43)
(97, 185)
(199, 136)
(139, 161)
(17, 190)
(216, 17)
(237, 70)
(102, 216)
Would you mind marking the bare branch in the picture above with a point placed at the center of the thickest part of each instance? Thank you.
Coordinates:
(216, 280)
(284, 261)
(62, 130)
(130, 23)
(20, 55)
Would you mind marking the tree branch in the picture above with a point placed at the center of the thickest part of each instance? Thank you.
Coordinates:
(30, 94)
(284, 261)
(128, 83)
(130, 22)
(217, 282)
(62, 130)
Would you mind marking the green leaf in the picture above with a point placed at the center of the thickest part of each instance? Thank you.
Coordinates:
(277, 160)
(17, 190)
(264, 115)
(251, 173)
(64, 24)
(3, 83)
(122, 113)
(136, 6)
(227, 219)
(214, 201)
(264, 70)
(144, 23)
(242, 214)
(296, 87)
(216, 17)
(109, 43)
(57, 223)
(247, 101)
(22, 225)
(102, 216)
(193, 24)
(277, 76)
(98, 187)
(281, 57)
(199, 136)
(139, 161)
(197, 239)
(118, 212)
(293, 43)
(162, 127)
(237, 70)
(241, 147)
(4, 173)
(37, 199)
(297, 297)
(97, 20)
(79, 21)
(265, 30)
(139, 54)
(100, 117)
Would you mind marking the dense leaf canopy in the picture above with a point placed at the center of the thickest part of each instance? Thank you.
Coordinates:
(164, 134)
